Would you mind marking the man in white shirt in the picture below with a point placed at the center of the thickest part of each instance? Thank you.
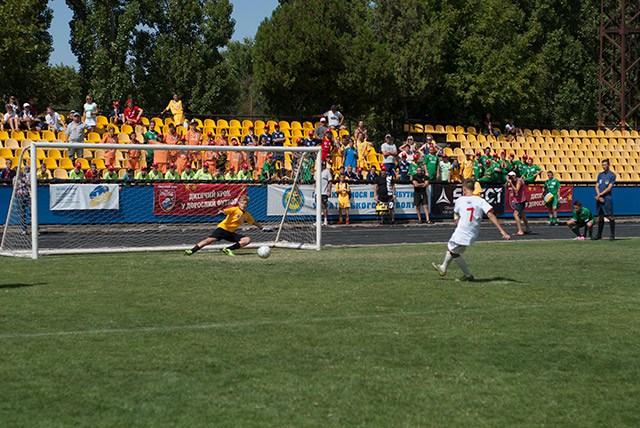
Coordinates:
(327, 177)
(335, 118)
(468, 212)
(53, 120)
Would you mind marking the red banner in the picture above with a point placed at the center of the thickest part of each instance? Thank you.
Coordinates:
(535, 202)
(195, 199)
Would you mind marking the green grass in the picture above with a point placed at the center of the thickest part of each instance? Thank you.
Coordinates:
(357, 336)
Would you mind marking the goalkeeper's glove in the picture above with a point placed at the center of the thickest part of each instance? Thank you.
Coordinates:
(267, 229)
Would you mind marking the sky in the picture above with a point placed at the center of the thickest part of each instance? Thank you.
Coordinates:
(247, 13)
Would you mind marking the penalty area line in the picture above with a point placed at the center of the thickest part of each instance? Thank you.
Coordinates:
(261, 323)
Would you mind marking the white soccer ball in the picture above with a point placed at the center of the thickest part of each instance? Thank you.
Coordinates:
(264, 251)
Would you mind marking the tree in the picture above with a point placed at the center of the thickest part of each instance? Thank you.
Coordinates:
(25, 46)
(61, 88)
(239, 62)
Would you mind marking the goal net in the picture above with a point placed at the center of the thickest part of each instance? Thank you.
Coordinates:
(154, 197)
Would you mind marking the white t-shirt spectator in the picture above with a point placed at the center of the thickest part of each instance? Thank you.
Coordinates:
(469, 211)
(389, 148)
(8, 116)
(53, 120)
(326, 180)
(333, 118)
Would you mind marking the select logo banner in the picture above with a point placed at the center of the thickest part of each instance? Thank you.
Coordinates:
(68, 197)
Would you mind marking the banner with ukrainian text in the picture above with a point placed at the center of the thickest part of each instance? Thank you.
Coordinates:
(362, 200)
(195, 199)
(536, 204)
(67, 197)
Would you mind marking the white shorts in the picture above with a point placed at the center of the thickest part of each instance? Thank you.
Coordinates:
(456, 248)
(90, 121)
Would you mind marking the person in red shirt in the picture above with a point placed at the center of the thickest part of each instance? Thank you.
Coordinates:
(132, 113)
(327, 146)
(519, 202)
(92, 173)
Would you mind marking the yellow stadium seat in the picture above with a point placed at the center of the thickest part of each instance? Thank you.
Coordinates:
(54, 154)
(222, 124)
(33, 135)
(99, 163)
(4, 135)
(17, 135)
(51, 163)
(93, 137)
(144, 121)
(128, 129)
(471, 130)
(123, 138)
(6, 153)
(66, 163)
(3, 163)
(60, 173)
(48, 136)
(102, 120)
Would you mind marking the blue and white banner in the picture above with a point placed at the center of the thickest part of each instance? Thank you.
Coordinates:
(65, 197)
(362, 201)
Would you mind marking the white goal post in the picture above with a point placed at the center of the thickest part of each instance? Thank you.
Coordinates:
(117, 215)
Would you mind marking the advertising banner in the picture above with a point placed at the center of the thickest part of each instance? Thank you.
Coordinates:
(444, 196)
(66, 197)
(536, 199)
(362, 200)
(194, 199)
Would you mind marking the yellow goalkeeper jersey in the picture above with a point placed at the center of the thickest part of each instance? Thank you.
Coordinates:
(234, 219)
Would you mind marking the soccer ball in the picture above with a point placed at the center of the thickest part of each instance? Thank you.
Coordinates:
(264, 251)
(548, 198)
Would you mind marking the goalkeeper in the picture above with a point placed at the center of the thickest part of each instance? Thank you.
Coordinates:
(226, 229)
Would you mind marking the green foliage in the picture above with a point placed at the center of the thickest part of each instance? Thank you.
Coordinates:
(25, 45)
(61, 88)
(238, 58)
(447, 61)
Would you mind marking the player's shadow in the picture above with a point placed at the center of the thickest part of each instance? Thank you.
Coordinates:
(9, 286)
(497, 279)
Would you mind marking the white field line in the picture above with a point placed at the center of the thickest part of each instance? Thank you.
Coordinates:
(295, 321)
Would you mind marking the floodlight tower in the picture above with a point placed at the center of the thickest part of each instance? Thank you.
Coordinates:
(619, 74)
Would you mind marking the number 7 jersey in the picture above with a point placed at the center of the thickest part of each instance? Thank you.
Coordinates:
(469, 211)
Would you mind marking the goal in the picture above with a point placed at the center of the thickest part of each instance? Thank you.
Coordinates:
(158, 197)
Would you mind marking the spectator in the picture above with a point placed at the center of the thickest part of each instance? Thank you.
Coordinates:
(389, 152)
(76, 173)
(90, 113)
(350, 155)
(194, 138)
(172, 138)
(403, 167)
(92, 173)
(53, 121)
(10, 119)
(511, 162)
(172, 174)
(432, 163)
(344, 198)
(487, 154)
(175, 105)
(188, 173)
(521, 165)
(531, 171)
(116, 115)
(326, 180)
(512, 131)
(519, 202)
(204, 173)
(328, 146)
(334, 117)
(455, 175)
(467, 166)
(208, 155)
(309, 141)
(155, 173)
(43, 172)
(161, 157)
(27, 119)
(487, 170)
(420, 198)
(15, 105)
(444, 168)
(360, 132)
(231, 174)
(320, 130)
(143, 174)
(134, 155)
(251, 140)
(219, 174)
(75, 134)
(277, 140)
(478, 167)
(269, 168)
(111, 174)
(132, 114)
(244, 174)
(372, 175)
(427, 144)
(265, 137)
(69, 118)
(384, 192)
(487, 126)
(150, 137)
(350, 175)
(359, 176)
(336, 176)
(128, 175)
(110, 154)
(8, 173)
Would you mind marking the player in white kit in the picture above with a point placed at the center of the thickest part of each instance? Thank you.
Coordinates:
(468, 212)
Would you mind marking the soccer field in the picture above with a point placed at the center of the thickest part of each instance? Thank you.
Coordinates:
(342, 337)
